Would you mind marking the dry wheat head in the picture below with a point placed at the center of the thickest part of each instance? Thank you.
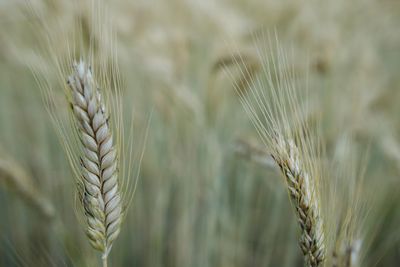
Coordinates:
(300, 189)
(277, 111)
(100, 194)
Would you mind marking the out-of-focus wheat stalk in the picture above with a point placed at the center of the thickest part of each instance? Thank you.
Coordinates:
(19, 181)
(347, 255)
(349, 202)
(254, 152)
(391, 147)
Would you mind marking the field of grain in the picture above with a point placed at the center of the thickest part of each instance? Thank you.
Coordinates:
(226, 133)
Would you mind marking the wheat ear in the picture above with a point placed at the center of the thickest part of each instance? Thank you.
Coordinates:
(100, 194)
(302, 194)
(275, 107)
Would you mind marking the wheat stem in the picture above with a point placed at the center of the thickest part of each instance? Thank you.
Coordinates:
(104, 259)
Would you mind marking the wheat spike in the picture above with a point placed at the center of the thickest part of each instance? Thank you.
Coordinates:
(274, 105)
(100, 194)
(302, 195)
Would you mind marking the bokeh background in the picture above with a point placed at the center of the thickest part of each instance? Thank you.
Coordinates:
(207, 195)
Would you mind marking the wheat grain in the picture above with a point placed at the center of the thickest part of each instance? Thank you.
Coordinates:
(100, 195)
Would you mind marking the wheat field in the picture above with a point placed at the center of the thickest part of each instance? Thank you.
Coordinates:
(187, 133)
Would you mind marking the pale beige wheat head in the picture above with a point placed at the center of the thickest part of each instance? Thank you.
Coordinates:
(100, 195)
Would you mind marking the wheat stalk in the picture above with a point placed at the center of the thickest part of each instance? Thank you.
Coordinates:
(273, 104)
(94, 141)
(348, 255)
(100, 194)
(352, 204)
(254, 152)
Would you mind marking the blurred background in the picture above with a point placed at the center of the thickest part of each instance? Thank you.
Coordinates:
(207, 194)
